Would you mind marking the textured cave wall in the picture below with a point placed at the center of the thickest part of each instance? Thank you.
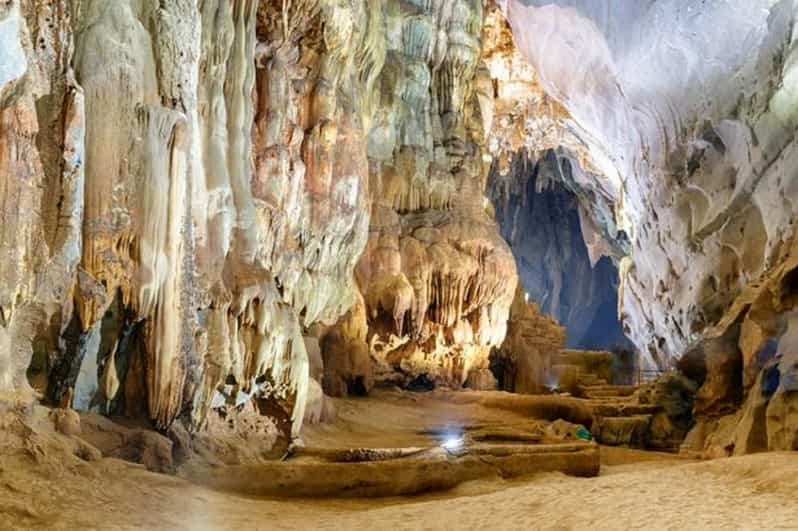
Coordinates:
(686, 112)
(192, 190)
(437, 278)
(185, 188)
(41, 179)
(542, 221)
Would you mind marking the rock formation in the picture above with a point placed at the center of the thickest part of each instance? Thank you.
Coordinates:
(688, 133)
(436, 276)
(223, 218)
(679, 119)
(186, 179)
(523, 363)
(193, 191)
(188, 188)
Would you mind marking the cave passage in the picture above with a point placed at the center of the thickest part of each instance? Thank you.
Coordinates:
(412, 264)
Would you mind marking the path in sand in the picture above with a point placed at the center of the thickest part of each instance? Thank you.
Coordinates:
(637, 490)
(753, 492)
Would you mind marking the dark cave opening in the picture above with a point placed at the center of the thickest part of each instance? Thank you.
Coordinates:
(539, 217)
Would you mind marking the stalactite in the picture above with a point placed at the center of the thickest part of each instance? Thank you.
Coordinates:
(217, 165)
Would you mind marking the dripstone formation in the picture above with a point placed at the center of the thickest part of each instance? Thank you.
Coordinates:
(230, 206)
(194, 191)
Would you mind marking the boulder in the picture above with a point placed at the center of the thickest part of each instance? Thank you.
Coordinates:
(782, 421)
(561, 430)
(523, 363)
(348, 369)
(320, 407)
(67, 421)
(711, 438)
(632, 431)
(751, 435)
(673, 395)
(721, 392)
(481, 380)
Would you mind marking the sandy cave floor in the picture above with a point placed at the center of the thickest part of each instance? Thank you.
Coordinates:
(636, 490)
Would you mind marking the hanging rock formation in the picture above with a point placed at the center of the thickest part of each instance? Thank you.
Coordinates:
(437, 278)
(186, 180)
(188, 188)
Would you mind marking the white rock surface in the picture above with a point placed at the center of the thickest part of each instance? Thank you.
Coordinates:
(687, 111)
(13, 63)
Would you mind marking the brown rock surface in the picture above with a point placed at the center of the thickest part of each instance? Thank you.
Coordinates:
(481, 380)
(591, 366)
(674, 397)
(524, 360)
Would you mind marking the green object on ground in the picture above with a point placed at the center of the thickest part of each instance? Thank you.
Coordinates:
(584, 434)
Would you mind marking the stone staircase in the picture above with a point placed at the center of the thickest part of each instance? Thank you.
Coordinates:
(604, 391)
(619, 419)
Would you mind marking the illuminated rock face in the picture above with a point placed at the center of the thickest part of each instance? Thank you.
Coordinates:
(188, 188)
(185, 188)
(436, 277)
(686, 113)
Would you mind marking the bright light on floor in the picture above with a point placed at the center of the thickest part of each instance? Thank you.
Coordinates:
(453, 443)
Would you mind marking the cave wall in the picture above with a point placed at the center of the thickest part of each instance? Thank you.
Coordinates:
(436, 277)
(542, 221)
(201, 165)
(195, 191)
(684, 114)
(192, 189)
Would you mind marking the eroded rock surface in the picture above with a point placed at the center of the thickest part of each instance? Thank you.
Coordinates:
(193, 193)
(523, 364)
(685, 116)
(688, 129)
(191, 190)
(188, 188)
(436, 276)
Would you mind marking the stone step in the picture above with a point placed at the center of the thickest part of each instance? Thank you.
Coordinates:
(591, 380)
(603, 391)
(622, 409)
(632, 431)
